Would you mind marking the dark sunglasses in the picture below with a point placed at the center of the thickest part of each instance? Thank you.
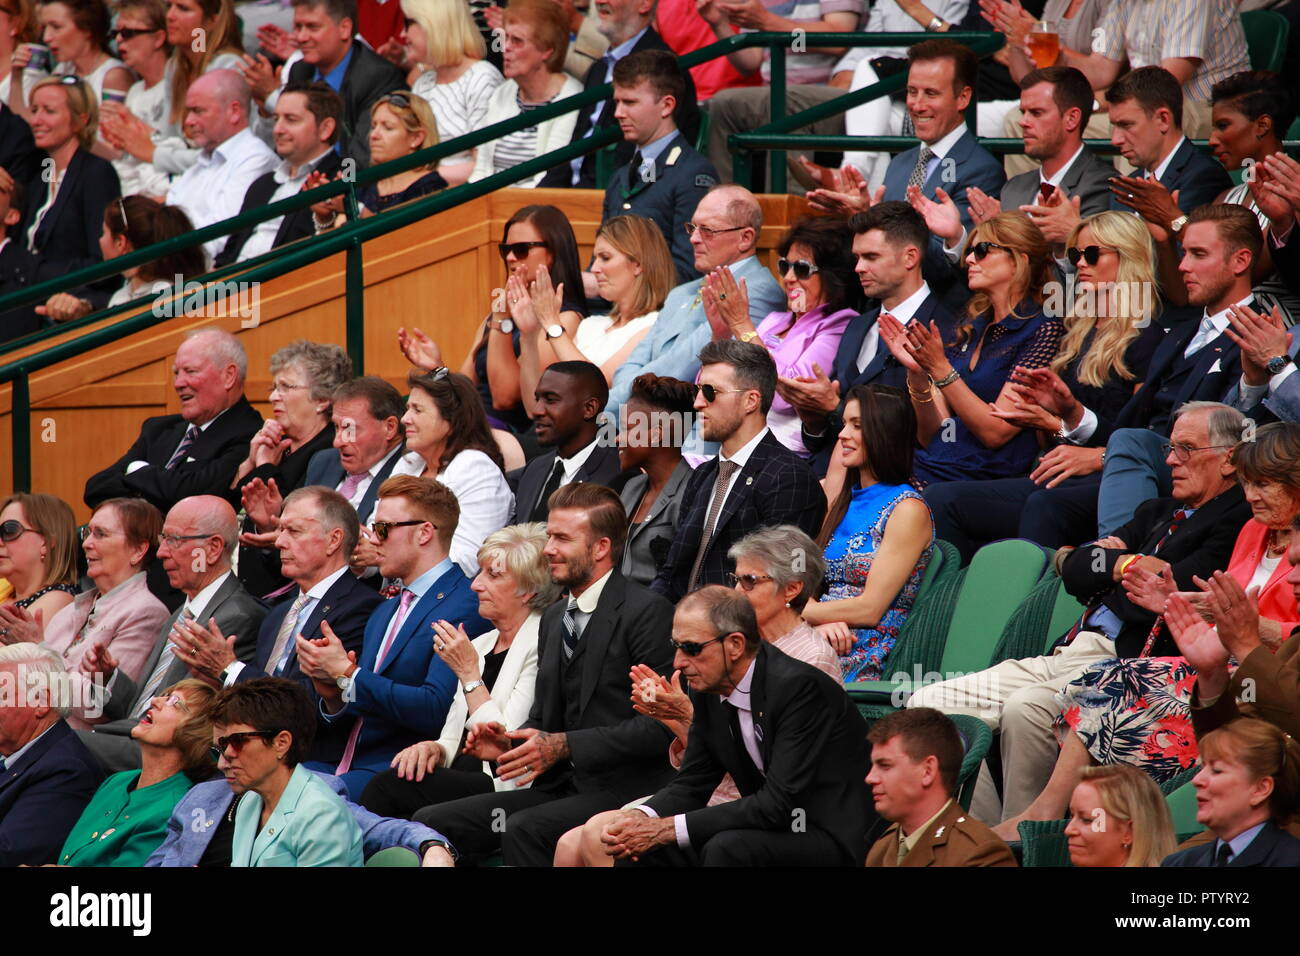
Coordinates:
(236, 741)
(13, 529)
(711, 392)
(747, 581)
(692, 649)
(400, 100)
(803, 269)
(381, 528)
(1089, 254)
(519, 249)
(129, 33)
(982, 249)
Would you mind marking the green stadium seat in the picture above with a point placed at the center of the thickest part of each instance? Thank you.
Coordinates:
(1182, 807)
(976, 738)
(1266, 36)
(394, 856)
(1043, 843)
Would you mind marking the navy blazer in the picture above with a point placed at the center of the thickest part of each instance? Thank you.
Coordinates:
(368, 79)
(1197, 176)
(1272, 846)
(775, 487)
(347, 606)
(68, 237)
(601, 468)
(293, 226)
(405, 699)
(43, 794)
(326, 469)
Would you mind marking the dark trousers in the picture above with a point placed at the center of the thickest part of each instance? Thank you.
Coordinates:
(813, 847)
(389, 795)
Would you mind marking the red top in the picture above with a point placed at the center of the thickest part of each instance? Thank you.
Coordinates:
(685, 31)
(1276, 601)
(380, 22)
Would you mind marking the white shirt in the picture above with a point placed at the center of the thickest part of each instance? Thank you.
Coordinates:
(364, 485)
(213, 188)
(1060, 173)
(1164, 163)
(198, 605)
(574, 464)
(741, 458)
(588, 600)
(136, 465)
(904, 312)
(263, 237)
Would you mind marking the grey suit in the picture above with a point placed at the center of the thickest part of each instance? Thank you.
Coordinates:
(1087, 177)
(1281, 403)
(648, 542)
(237, 612)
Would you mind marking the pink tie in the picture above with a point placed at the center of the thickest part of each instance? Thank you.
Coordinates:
(351, 483)
(402, 607)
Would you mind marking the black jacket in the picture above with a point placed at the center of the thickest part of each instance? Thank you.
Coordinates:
(369, 78)
(295, 225)
(601, 468)
(17, 270)
(68, 237)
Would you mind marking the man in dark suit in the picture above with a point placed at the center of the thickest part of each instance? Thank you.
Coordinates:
(19, 156)
(397, 691)
(665, 179)
(889, 241)
(583, 749)
(627, 25)
(566, 410)
(788, 735)
(332, 54)
(199, 536)
(17, 264)
(307, 122)
(197, 451)
(1192, 533)
(1270, 846)
(318, 533)
(755, 481)
(47, 776)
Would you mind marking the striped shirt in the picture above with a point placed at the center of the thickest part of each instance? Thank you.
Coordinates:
(809, 67)
(805, 644)
(1146, 32)
(518, 147)
(459, 107)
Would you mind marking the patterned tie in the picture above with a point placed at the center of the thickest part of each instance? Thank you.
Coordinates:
(1202, 338)
(351, 483)
(282, 637)
(543, 506)
(154, 683)
(908, 128)
(725, 470)
(1179, 516)
(571, 634)
(918, 172)
(350, 751)
(178, 455)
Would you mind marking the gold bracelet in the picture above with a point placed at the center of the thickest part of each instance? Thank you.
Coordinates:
(924, 398)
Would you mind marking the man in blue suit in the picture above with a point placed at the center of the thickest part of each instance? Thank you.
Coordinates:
(397, 691)
(47, 776)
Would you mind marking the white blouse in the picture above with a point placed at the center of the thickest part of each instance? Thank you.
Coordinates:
(595, 340)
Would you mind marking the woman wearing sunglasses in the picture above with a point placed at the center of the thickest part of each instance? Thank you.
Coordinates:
(284, 815)
(131, 128)
(38, 558)
(535, 236)
(1110, 336)
(633, 270)
(127, 817)
(816, 269)
(877, 537)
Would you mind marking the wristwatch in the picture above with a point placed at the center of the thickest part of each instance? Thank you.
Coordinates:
(505, 325)
(554, 331)
(1176, 226)
(472, 686)
(1277, 363)
(936, 25)
(748, 336)
(344, 683)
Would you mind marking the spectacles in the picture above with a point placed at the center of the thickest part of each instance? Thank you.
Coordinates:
(711, 392)
(1089, 254)
(692, 649)
(129, 33)
(803, 269)
(283, 387)
(236, 741)
(982, 249)
(381, 528)
(173, 541)
(99, 534)
(13, 529)
(747, 581)
(1184, 452)
(176, 700)
(518, 249)
(706, 233)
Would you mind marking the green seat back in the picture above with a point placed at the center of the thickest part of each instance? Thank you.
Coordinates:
(1182, 807)
(1065, 613)
(920, 642)
(976, 738)
(394, 856)
(1000, 576)
(1044, 843)
(702, 140)
(1266, 36)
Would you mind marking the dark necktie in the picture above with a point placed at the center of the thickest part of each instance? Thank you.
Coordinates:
(1045, 190)
(178, 455)
(1223, 855)
(543, 506)
(1179, 516)
(571, 632)
(725, 470)
(634, 171)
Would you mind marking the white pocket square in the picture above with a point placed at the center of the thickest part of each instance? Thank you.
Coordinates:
(1216, 367)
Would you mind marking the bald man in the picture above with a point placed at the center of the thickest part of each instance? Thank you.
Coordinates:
(231, 157)
(724, 232)
(198, 538)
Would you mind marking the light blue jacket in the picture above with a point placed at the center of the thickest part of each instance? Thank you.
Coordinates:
(310, 826)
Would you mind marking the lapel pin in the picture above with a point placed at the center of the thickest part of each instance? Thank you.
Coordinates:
(938, 833)
(749, 480)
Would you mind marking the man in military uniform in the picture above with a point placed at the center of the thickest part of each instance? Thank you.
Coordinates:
(666, 178)
(915, 759)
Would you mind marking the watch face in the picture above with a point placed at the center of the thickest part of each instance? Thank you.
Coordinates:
(507, 325)
(1276, 364)
(554, 331)
(343, 682)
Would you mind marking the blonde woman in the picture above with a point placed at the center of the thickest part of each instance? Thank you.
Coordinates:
(446, 66)
(1118, 817)
(222, 49)
(1110, 336)
(633, 270)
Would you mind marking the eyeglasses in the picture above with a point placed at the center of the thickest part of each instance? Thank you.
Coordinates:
(1089, 254)
(982, 249)
(747, 581)
(1184, 452)
(692, 649)
(177, 701)
(711, 392)
(381, 528)
(173, 541)
(284, 387)
(236, 741)
(706, 233)
(13, 529)
(518, 249)
(99, 534)
(129, 33)
(803, 269)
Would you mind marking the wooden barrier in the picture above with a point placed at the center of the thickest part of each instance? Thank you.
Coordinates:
(437, 274)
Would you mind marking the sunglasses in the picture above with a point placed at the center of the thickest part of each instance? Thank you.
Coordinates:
(803, 269)
(518, 249)
(235, 742)
(1089, 254)
(692, 649)
(711, 392)
(13, 529)
(982, 249)
(129, 33)
(746, 581)
(381, 528)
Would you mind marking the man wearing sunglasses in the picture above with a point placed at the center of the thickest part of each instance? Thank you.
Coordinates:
(583, 749)
(802, 752)
(397, 691)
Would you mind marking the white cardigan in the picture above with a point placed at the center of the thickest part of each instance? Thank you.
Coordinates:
(551, 134)
(512, 694)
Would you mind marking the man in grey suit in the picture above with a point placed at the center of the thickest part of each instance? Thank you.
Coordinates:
(198, 538)
(724, 232)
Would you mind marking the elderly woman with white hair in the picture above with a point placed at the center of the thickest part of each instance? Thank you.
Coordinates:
(497, 673)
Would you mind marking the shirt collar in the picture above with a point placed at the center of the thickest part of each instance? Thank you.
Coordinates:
(1159, 171)
(14, 757)
(589, 598)
(913, 838)
(572, 465)
(652, 150)
(906, 309)
(374, 469)
(1222, 318)
(1242, 840)
(739, 697)
(1060, 173)
(205, 425)
(283, 172)
(198, 604)
(948, 141)
(421, 585)
(113, 592)
(318, 590)
(335, 76)
(617, 53)
(232, 146)
(741, 457)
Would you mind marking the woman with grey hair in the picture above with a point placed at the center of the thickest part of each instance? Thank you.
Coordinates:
(497, 672)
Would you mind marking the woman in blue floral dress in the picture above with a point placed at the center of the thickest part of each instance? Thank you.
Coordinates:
(878, 535)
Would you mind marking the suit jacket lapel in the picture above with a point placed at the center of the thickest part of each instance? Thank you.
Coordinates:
(67, 189)
(596, 635)
(168, 442)
(1174, 171)
(367, 503)
(846, 369)
(419, 617)
(758, 703)
(742, 486)
(276, 824)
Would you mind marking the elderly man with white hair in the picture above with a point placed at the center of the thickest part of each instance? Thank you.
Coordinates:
(47, 776)
(231, 157)
(197, 451)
